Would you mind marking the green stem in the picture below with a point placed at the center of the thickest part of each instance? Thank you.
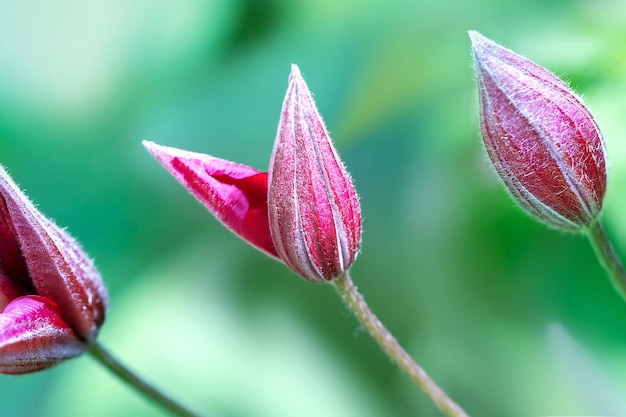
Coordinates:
(126, 375)
(388, 343)
(607, 256)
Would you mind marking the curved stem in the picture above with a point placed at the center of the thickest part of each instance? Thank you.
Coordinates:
(607, 256)
(153, 394)
(388, 343)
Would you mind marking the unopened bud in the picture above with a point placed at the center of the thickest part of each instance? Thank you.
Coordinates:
(314, 213)
(542, 140)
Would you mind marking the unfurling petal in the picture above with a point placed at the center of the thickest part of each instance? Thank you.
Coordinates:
(33, 336)
(236, 194)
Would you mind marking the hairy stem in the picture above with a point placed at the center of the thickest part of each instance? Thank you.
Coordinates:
(388, 343)
(101, 355)
(607, 256)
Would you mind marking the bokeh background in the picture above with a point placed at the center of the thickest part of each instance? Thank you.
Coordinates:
(511, 318)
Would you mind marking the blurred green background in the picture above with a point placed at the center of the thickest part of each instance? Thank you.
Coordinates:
(512, 319)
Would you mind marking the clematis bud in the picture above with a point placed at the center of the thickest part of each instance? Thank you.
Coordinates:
(314, 213)
(542, 140)
(52, 301)
(305, 214)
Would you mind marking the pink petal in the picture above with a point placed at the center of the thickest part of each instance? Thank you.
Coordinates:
(236, 194)
(33, 336)
(8, 290)
(314, 212)
(58, 268)
(12, 263)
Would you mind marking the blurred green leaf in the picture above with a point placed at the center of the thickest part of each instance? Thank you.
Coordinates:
(464, 278)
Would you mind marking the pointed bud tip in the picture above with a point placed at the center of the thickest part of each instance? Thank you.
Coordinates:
(165, 154)
(475, 37)
(150, 146)
(480, 43)
(295, 76)
(295, 70)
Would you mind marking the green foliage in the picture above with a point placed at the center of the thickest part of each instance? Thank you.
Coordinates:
(509, 317)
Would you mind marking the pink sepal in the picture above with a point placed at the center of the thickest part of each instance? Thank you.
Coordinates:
(39, 257)
(33, 336)
(236, 194)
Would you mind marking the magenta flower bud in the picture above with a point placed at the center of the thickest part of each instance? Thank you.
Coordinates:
(314, 213)
(542, 140)
(307, 215)
(52, 301)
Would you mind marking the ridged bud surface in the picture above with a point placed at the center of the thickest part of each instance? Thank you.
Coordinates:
(314, 211)
(542, 140)
(52, 300)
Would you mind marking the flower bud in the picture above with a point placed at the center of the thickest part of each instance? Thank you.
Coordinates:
(314, 213)
(543, 142)
(52, 301)
(303, 212)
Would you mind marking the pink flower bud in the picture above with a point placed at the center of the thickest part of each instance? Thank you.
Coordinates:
(544, 143)
(52, 301)
(308, 216)
(314, 213)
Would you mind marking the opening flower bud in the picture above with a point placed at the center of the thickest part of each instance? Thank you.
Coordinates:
(303, 212)
(542, 140)
(52, 301)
